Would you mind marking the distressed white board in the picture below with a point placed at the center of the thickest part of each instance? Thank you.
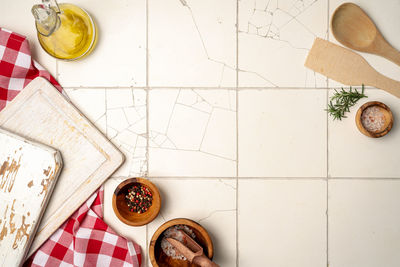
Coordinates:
(28, 173)
(41, 113)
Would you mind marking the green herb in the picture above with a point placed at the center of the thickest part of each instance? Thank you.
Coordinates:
(341, 102)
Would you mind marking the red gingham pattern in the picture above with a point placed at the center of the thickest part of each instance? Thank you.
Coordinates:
(84, 239)
(17, 68)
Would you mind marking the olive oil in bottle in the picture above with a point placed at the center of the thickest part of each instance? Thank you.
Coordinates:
(65, 31)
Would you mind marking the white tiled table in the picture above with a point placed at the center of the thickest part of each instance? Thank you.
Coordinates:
(231, 127)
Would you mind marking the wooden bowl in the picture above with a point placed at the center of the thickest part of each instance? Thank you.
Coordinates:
(157, 256)
(121, 208)
(388, 119)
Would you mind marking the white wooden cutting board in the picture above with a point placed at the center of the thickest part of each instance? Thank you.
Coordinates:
(28, 173)
(41, 113)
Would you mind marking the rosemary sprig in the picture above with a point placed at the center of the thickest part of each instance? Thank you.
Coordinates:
(341, 102)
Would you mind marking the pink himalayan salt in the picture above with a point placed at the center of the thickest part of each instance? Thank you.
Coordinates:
(373, 119)
(173, 232)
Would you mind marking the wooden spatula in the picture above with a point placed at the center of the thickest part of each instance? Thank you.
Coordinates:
(345, 66)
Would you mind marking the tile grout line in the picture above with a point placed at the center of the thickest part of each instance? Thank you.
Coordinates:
(237, 133)
(147, 43)
(202, 88)
(268, 178)
(327, 182)
(147, 91)
(324, 178)
(147, 163)
(147, 118)
(327, 152)
(365, 178)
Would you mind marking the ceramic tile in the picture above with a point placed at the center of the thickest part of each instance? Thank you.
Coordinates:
(16, 16)
(212, 203)
(121, 115)
(195, 130)
(92, 103)
(191, 134)
(385, 16)
(352, 154)
(136, 234)
(282, 133)
(126, 128)
(274, 40)
(364, 223)
(192, 43)
(119, 59)
(282, 223)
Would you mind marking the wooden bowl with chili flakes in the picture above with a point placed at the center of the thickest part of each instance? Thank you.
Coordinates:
(374, 119)
(125, 212)
(159, 258)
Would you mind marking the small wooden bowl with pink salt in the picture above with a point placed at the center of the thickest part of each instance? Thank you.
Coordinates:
(374, 119)
(162, 254)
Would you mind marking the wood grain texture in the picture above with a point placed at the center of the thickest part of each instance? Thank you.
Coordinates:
(159, 259)
(345, 66)
(387, 113)
(353, 28)
(121, 208)
(28, 174)
(41, 113)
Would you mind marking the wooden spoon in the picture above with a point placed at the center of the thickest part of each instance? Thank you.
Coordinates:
(352, 27)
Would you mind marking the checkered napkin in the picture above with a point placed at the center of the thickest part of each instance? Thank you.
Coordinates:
(17, 68)
(84, 239)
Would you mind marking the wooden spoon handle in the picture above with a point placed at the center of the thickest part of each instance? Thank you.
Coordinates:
(386, 50)
(203, 261)
(380, 81)
(392, 54)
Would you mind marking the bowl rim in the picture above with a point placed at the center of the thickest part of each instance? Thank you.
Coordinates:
(147, 183)
(171, 223)
(360, 125)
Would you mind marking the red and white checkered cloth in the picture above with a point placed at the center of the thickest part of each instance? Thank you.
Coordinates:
(84, 239)
(17, 68)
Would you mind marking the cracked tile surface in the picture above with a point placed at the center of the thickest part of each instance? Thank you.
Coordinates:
(121, 115)
(208, 202)
(192, 133)
(192, 43)
(274, 40)
(289, 151)
(126, 128)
